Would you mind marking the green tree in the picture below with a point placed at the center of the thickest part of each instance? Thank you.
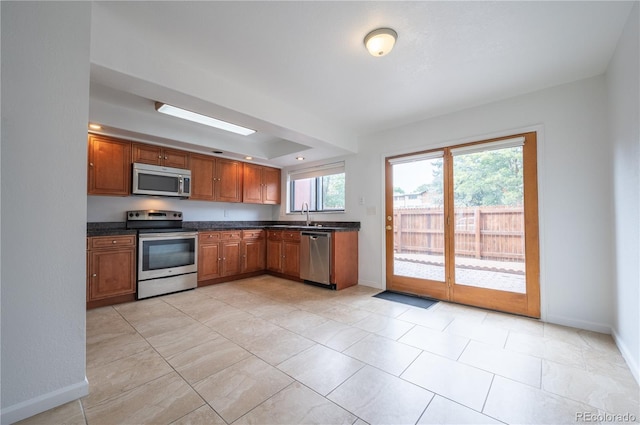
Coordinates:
(398, 190)
(485, 178)
(333, 192)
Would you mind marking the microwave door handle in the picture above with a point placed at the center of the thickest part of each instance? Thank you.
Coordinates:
(181, 186)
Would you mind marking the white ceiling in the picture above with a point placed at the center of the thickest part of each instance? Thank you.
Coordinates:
(298, 72)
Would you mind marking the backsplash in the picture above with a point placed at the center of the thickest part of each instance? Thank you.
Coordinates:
(112, 209)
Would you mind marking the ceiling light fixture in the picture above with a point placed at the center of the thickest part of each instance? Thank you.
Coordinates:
(202, 119)
(95, 126)
(380, 42)
(248, 158)
(300, 158)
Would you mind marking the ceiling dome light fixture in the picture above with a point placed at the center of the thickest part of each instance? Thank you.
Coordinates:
(380, 42)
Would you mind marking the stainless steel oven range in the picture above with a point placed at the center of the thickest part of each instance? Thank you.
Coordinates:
(167, 253)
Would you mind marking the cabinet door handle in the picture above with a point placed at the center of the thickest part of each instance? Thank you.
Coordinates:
(159, 156)
(91, 164)
(114, 241)
(166, 157)
(94, 275)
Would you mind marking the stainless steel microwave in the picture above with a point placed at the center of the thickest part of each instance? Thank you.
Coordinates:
(160, 181)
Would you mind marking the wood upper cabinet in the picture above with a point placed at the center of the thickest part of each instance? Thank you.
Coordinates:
(202, 177)
(228, 184)
(158, 155)
(109, 168)
(261, 184)
(215, 179)
(111, 267)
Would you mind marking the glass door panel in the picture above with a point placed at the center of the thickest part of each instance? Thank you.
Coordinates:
(417, 224)
(489, 237)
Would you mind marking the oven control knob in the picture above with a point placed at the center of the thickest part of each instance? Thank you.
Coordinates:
(130, 214)
(179, 214)
(137, 214)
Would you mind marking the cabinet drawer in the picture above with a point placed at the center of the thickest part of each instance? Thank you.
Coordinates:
(252, 234)
(112, 241)
(235, 234)
(205, 238)
(274, 235)
(290, 236)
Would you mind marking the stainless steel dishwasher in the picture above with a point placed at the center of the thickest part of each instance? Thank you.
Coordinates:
(315, 258)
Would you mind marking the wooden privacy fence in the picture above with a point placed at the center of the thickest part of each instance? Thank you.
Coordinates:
(488, 233)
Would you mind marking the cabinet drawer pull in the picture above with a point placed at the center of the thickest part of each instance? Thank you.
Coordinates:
(114, 241)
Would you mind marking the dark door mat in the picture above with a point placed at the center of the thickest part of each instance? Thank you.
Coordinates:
(406, 299)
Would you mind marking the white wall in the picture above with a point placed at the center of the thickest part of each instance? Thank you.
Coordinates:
(574, 191)
(112, 208)
(45, 101)
(624, 112)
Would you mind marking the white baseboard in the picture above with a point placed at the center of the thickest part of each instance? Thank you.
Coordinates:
(626, 354)
(370, 284)
(44, 402)
(580, 324)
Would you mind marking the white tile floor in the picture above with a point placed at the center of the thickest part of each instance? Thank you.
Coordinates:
(270, 351)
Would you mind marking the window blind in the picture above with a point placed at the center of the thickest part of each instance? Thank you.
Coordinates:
(491, 146)
(414, 158)
(318, 171)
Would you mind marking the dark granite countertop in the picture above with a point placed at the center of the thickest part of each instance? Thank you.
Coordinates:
(119, 228)
(109, 229)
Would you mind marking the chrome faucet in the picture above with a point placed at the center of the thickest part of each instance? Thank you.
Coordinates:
(302, 212)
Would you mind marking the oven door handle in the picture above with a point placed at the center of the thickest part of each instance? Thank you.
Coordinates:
(167, 235)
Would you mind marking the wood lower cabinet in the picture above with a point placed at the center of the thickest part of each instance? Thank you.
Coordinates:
(344, 259)
(230, 250)
(274, 252)
(253, 250)
(261, 185)
(158, 155)
(229, 254)
(283, 252)
(111, 270)
(209, 256)
(109, 167)
(283, 256)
